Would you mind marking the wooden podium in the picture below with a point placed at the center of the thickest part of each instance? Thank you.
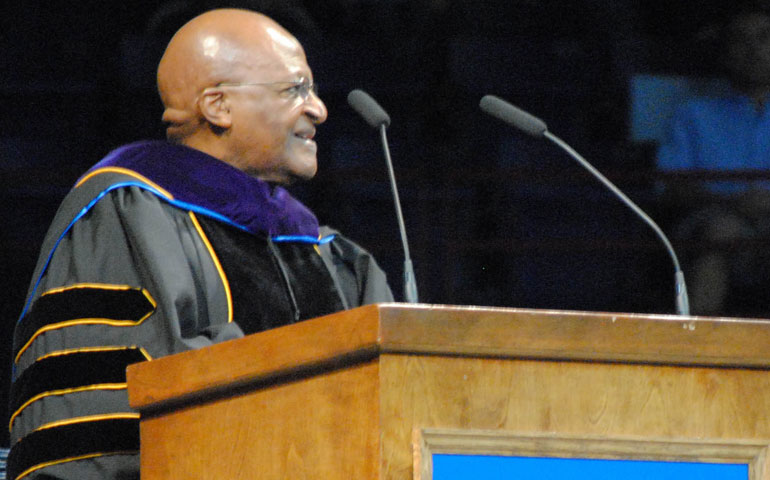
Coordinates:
(373, 392)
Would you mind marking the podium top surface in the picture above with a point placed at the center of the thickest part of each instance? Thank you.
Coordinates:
(364, 333)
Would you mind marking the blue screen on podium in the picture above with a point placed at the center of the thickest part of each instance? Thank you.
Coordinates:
(483, 467)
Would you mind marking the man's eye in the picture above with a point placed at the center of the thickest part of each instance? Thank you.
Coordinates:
(294, 89)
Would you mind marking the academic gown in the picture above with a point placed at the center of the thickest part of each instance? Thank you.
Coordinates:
(158, 249)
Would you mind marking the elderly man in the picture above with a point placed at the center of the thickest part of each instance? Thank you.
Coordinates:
(163, 247)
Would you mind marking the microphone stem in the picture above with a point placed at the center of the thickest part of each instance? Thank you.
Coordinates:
(682, 303)
(410, 284)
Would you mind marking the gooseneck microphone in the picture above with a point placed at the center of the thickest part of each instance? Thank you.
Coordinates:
(532, 125)
(376, 117)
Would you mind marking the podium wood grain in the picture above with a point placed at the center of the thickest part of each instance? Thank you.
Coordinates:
(341, 396)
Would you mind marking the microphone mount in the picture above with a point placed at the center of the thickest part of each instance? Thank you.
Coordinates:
(376, 117)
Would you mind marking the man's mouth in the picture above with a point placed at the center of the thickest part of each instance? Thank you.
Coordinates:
(305, 134)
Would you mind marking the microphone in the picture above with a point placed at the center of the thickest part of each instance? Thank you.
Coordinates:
(376, 117)
(513, 116)
(532, 125)
(368, 108)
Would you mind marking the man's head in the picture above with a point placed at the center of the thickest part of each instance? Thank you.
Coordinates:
(230, 82)
(747, 51)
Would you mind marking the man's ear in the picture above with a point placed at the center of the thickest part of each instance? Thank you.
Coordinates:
(215, 108)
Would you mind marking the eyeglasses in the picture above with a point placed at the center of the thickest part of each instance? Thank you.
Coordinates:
(301, 88)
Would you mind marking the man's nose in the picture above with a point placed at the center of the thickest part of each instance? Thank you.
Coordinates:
(316, 109)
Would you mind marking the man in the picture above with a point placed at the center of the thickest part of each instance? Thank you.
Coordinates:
(726, 134)
(163, 247)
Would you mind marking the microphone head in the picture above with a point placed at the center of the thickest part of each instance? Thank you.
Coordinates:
(514, 116)
(368, 108)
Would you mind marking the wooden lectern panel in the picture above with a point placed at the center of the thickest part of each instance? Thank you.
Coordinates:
(567, 398)
(343, 395)
(321, 427)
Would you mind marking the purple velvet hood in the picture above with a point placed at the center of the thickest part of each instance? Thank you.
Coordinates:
(198, 179)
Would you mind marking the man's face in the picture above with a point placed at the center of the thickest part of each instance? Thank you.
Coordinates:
(273, 124)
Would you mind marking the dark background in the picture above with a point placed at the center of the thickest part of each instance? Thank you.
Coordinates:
(494, 218)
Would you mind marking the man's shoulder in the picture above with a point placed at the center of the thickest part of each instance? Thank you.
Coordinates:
(91, 189)
(348, 245)
(368, 283)
(343, 248)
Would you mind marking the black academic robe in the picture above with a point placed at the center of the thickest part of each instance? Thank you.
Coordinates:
(128, 273)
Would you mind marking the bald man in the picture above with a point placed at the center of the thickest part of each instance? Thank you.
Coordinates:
(168, 246)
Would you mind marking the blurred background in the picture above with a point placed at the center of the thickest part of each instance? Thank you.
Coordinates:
(493, 217)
